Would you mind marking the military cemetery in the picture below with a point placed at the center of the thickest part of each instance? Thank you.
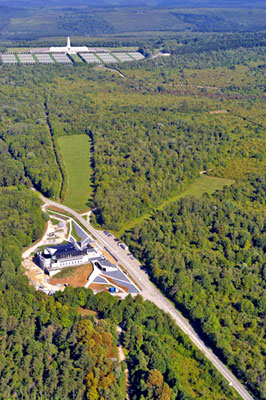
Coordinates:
(62, 55)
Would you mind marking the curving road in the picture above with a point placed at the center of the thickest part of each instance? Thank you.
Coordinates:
(150, 292)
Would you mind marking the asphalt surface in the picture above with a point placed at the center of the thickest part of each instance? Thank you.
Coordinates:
(150, 292)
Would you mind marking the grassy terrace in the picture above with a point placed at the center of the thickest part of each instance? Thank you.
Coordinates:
(74, 233)
(74, 276)
(204, 184)
(76, 155)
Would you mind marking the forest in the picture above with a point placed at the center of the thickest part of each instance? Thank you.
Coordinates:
(25, 133)
(47, 350)
(151, 132)
(27, 23)
(54, 347)
(208, 256)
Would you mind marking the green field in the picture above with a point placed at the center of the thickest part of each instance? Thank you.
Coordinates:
(76, 154)
(204, 184)
(76, 58)
(18, 49)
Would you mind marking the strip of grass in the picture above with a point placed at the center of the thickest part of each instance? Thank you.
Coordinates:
(76, 154)
(76, 58)
(74, 233)
(66, 272)
(204, 184)
(54, 221)
(51, 210)
(18, 49)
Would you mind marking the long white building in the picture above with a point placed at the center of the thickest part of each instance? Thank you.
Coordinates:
(69, 49)
(55, 258)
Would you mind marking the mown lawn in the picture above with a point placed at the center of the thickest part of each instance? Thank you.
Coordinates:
(76, 58)
(76, 154)
(74, 276)
(204, 184)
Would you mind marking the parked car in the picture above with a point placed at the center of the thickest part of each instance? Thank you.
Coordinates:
(123, 245)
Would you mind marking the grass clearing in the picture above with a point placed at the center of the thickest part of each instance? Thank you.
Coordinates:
(76, 154)
(218, 112)
(74, 276)
(84, 312)
(204, 184)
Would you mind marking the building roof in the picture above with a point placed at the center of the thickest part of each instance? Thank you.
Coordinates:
(86, 241)
(68, 249)
(106, 263)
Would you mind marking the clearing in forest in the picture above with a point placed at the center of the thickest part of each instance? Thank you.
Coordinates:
(218, 112)
(76, 152)
(204, 184)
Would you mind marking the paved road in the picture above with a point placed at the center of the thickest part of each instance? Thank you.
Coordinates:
(150, 292)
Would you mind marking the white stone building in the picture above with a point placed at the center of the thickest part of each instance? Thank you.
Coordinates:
(55, 258)
(69, 49)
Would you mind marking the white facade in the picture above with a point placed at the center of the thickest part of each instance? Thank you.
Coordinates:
(53, 259)
(105, 265)
(69, 49)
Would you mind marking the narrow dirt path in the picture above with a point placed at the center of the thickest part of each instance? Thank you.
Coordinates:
(113, 70)
(92, 164)
(122, 357)
(50, 131)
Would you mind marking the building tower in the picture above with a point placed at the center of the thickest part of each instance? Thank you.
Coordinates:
(68, 44)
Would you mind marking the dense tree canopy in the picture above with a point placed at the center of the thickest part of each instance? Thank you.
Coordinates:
(49, 350)
(158, 352)
(24, 130)
(46, 350)
(208, 256)
(20, 22)
(151, 133)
